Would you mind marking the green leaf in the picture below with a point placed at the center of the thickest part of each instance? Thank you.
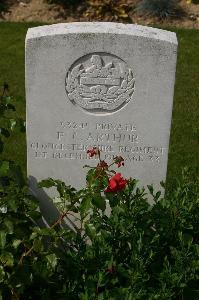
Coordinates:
(157, 195)
(162, 183)
(13, 123)
(45, 231)
(4, 168)
(197, 248)
(85, 205)
(33, 235)
(16, 243)
(38, 245)
(90, 230)
(17, 125)
(47, 183)
(118, 210)
(2, 239)
(7, 259)
(3, 210)
(52, 260)
(90, 175)
(2, 275)
(17, 174)
(99, 201)
(84, 296)
(105, 180)
(61, 189)
(113, 199)
(9, 226)
(7, 99)
(187, 238)
(151, 189)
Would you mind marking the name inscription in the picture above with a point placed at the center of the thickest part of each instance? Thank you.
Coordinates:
(71, 140)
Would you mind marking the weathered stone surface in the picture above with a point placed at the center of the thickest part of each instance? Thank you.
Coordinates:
(99, 84)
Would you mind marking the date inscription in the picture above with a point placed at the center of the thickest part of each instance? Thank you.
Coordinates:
(71, 140)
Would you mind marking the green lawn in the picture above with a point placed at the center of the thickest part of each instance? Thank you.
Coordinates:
(184, 143)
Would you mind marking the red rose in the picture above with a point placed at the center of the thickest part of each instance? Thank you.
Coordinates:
(93, 151)
(116, 183)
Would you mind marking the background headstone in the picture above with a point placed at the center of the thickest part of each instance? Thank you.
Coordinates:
(98, 84)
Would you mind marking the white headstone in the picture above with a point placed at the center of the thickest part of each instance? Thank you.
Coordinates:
(99, 84)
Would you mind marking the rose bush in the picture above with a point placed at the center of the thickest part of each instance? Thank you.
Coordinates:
(116, 245)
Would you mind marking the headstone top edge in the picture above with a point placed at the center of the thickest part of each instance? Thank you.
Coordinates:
(101, 27)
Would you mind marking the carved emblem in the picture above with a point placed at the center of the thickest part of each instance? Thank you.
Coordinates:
(100, 83)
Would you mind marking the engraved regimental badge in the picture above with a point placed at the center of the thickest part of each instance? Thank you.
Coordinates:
(100, 82)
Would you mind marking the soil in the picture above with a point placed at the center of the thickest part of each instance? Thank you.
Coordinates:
(41, 11)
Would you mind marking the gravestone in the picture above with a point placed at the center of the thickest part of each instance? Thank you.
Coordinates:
(106, 85)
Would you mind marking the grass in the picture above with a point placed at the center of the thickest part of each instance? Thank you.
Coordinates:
(184, 145)
(12, 56)
(184, 140)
